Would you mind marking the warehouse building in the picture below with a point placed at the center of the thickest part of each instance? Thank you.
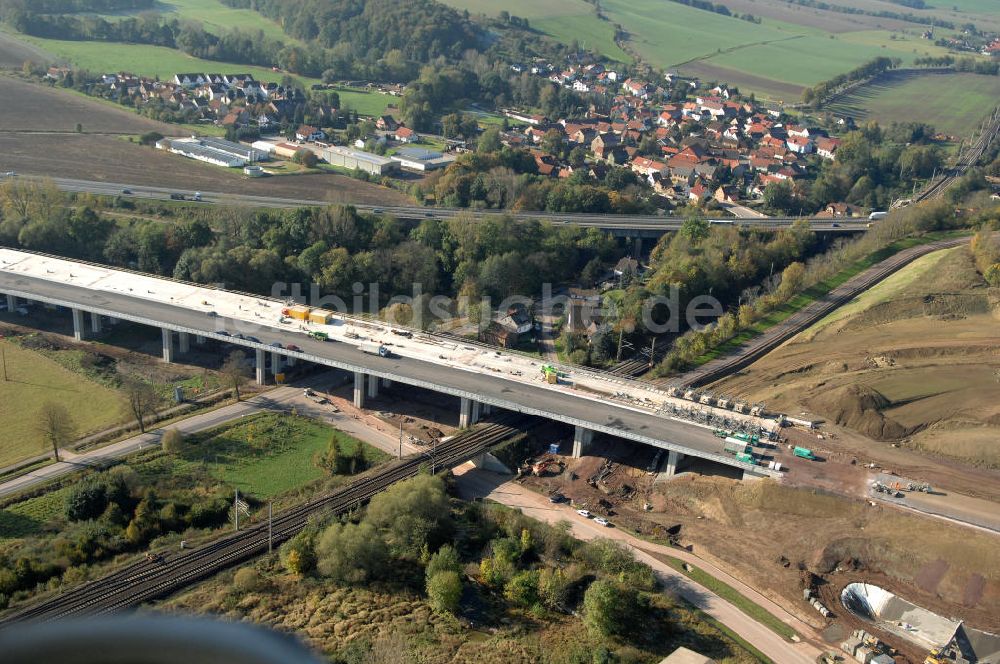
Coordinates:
(214, 151)
(352, 159)
(419, 159)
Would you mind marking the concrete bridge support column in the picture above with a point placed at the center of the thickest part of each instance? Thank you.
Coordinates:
(11, 303)
(184, 342)
(581, 441)
(290, 361)
(372, 387)
(198, 339)
(386, 383)
(95, 323)
(168, 345)
(261, 367)
(469, 413)
(78, 328)
(638, 249)
(275, 364)
(485, 409)
(359, 389)
(673, 458)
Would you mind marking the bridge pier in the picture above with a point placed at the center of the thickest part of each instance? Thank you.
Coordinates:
(198, 339)
(469, 413)
(11, 303)
(290, 361)
(386, 383)
(184, 342)
(261, 367)
(581, 441)
(275, 364)
(95, 323)
(372, 387)
(78, 328)
(486, 409)
(673, 458)
(359, 389)
(168, 344)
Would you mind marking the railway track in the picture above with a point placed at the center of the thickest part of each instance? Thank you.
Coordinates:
(966, 160)
(778, 334)
(147, 580)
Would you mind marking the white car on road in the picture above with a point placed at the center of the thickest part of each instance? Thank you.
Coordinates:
(601, 521)
(584, 513)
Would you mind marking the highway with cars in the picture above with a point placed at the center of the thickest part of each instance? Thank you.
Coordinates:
(609, 222)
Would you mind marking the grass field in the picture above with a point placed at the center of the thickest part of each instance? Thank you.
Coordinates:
(954, 103)
(218, 18)
(563, 20)
(33, 379)
(269, 454)
(364, 102)
(145, 60)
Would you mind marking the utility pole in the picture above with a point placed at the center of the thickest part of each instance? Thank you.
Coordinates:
(400, 438)
(269, 544)
(236, 508)
(652, 353)
(3, 361)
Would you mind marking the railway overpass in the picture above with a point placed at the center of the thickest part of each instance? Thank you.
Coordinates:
(482, 378)
(631, 226)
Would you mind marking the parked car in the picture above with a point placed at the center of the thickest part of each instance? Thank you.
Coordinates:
(584, 513)
(293, 347)
(601, 521)
(557, 498)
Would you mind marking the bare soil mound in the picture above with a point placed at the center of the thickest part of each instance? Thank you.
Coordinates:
(860, 408)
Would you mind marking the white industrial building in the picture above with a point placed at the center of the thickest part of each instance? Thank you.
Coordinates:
(214, 151)
(373, 164)
(419, 159)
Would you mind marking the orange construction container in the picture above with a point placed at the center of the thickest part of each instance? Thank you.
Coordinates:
(320, 316)
(299, 312)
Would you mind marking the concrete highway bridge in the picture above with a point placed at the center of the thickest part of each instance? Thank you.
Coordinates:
(483, 378)
(631, 226)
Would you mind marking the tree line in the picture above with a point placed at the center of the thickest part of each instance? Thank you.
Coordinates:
(818, 94)
(330, 247)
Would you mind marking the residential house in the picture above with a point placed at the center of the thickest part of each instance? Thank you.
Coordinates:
(827, 147)
(406, 135)
(308, 133)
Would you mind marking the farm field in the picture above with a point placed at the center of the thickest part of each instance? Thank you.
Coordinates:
(954, 104)
(216, 17)
(14, 53)
(144, 60)
(29, 106)
(32, 380)
(32, 150)
(564, 20)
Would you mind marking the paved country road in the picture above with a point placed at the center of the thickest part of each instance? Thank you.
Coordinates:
(475, 483)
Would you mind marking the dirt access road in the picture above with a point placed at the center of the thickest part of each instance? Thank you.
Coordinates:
(38, 137)
(475, 483)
